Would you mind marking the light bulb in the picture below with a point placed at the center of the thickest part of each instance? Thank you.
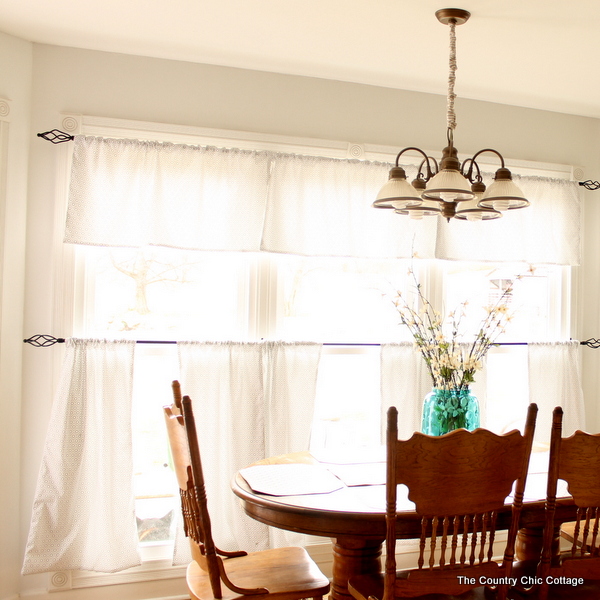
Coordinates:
(501, 204)
(449, 196)
(417, 215)
(474, 216)
(403, 203)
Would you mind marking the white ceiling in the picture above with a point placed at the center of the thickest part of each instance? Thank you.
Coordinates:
(536, 53)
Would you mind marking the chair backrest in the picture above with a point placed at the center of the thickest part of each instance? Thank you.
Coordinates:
(458, 483)
(576, 460)
(176, 387)
(183, 440)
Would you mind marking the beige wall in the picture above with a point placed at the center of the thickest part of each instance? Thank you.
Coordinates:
(113, 85)
(149, 89)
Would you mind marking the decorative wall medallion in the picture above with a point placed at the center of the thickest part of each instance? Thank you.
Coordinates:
(4, 108)
(355, 151)
(71, 124)
(60, 579)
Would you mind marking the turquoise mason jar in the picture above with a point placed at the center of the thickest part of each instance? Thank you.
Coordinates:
(446, 410)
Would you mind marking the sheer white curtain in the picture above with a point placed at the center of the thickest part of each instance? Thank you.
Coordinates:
(83, 511)
(404, 383)
(135, 193)
(555, 380)
(548, 231)
(322, 207)
(251, 400)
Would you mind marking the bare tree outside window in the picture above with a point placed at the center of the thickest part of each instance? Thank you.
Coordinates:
(146, 270)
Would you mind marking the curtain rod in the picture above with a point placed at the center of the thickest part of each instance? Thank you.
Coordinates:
(57, 136)
(45, 341)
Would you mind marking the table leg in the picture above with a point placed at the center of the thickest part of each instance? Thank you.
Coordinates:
(529, 543)
(353, 556)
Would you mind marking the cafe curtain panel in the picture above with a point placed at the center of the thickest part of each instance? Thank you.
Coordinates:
(83, 511)
(134, 193)
(258, 399)
(555, 380)
(404, 383)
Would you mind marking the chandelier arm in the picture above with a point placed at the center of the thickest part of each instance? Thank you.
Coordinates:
(426, 160)
(430, 172)
(489, 150)
(468, 173)
(435, 162)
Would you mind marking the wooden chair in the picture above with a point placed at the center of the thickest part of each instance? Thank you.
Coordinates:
(458, 483)
(576, 460)
(279, 574)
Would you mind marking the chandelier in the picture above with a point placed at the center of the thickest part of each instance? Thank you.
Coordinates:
(450, 189)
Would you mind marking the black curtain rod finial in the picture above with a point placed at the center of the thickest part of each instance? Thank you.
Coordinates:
(590, 185)
(43, 341)
(56, 136)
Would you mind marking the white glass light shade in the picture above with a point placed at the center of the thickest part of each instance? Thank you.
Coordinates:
(471, 211)
(428, 208)
(448, 186)
(503, 194)
(397, 193)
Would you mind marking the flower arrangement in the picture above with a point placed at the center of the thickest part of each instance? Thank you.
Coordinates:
(452, 363)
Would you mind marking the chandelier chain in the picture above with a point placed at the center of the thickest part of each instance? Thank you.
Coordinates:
(451, 115)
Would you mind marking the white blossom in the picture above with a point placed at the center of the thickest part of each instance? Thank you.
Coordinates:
(451, 362)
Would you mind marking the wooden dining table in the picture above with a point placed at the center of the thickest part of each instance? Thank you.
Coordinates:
(353, 514)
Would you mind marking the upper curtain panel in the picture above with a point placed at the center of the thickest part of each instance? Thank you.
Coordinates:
(548, 231)
(135, 193)
(322, 207)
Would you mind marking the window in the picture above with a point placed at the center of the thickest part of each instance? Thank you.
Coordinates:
(157, 294)
(538, 301)
(540, 304)
(340, 300)
(165, 294)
